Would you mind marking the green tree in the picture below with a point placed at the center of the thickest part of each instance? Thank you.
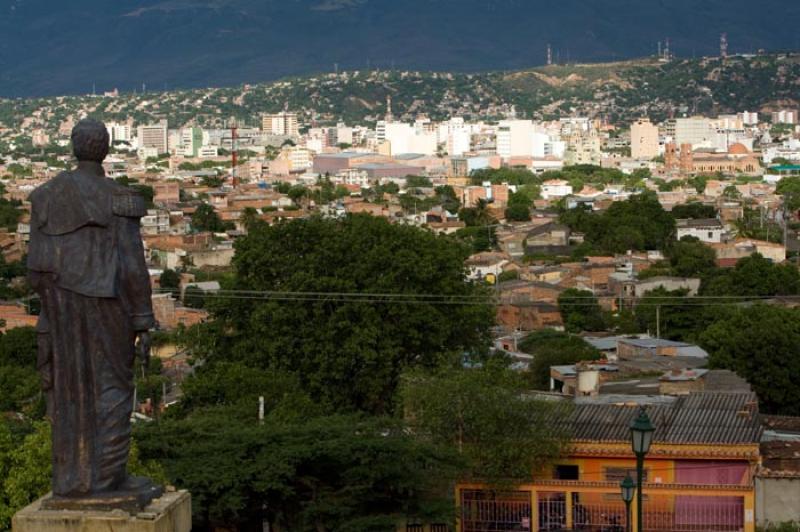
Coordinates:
(170, 280)
(680, 318)
(552, 348)
(478, 238)
(580, 311)
(790, 187)
(484, 415)
(691, 258)
(418, 181)
(731, 192)
(212, 181)
(19, 380)
(519, 207)
(446, 197)
(753, 276)
(640, 223)
(699, 182)
(26, 465)
(760, 344)
(324, 473)
(249, 218)
(348, 350)
(477, 215)
(693, 210)
(205, 218)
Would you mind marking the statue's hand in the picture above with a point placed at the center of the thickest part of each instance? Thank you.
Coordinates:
(143, 347)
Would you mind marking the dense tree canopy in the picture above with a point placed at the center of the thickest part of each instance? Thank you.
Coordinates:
(519, 207)
(205, 218)
(640, 223)
(346, 473)
(693, 210)
(691, 258)
(484, 414)
(760, 344)
(19, 380)
(580, 311)
(753, 276)
(348, 350)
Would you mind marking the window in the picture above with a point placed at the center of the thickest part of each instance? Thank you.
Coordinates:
(617, 474)
(566, 472)
(710, 234)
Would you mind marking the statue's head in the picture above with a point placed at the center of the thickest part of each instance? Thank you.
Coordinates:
(90, 140)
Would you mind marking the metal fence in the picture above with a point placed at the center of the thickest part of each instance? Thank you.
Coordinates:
(487, 511)
(690, 513)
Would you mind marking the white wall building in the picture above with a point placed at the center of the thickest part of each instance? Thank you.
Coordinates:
(709, 231)
(515, 138)
(697, 131)
(555, 188)
(644, 139)
(118, 132)
(153, 136)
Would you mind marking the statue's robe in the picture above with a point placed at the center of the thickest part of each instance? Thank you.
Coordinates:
(86, 261)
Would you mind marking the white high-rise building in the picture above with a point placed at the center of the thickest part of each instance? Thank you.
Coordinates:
(154, 136)
(407, 138)
(697, 131)
(515, 138)
(283, 123)
(118, 132)
(644, 139)
(458, 141)
(785, 116)
(344, 134)
(749, 119)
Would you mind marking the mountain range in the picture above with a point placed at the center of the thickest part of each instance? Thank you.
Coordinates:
(50, 47)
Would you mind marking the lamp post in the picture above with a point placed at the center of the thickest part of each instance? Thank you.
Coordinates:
(627, 488)
(641, 438)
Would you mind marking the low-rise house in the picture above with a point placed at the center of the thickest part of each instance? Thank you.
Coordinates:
(489, 263)
(633, 348)
(512, 243)
(686, 381)
(529, 316)
(698, 474)
(624, 285)
(778, 478)
(13, 315)
(706, 230)
(155, 222)
(170, 314)
(551, 237)
(555, 188)
(521, 291)
(729, 253)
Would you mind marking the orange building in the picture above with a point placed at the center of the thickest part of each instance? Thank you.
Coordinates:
(738, 160)
(698, 474)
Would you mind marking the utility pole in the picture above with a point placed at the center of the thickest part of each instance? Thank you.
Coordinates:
(658, 321)
(785, 221)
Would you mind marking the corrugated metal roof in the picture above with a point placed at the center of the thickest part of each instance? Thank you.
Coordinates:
(699, 418)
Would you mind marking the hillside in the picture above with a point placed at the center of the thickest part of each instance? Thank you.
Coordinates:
(49, 48)
(619, 91)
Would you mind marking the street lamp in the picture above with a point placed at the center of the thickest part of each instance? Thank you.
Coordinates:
(627, 487)
(641, 438)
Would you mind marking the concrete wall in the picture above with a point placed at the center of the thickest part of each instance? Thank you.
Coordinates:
(777, 500)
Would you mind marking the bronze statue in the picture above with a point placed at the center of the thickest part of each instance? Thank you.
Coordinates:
(86, 261)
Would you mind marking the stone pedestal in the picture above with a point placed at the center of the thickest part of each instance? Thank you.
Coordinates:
(172, 512)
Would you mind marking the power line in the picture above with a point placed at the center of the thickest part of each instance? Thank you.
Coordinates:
(466, 299)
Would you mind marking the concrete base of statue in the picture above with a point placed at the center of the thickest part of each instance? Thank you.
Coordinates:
(171, 512)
